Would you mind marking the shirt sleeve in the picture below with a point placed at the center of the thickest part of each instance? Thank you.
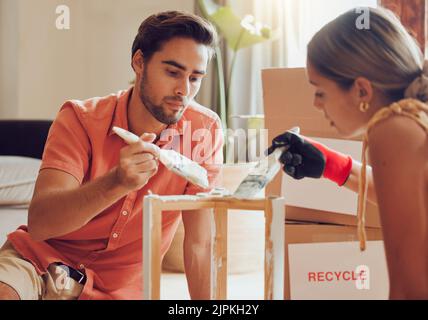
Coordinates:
(67, 146)
(212, 160)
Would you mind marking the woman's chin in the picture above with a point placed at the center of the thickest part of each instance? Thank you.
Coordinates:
(351, 134)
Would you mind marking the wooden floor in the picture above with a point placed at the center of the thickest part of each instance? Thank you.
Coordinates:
(247, 286)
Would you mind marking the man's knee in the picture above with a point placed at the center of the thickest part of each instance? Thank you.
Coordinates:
(7, 292)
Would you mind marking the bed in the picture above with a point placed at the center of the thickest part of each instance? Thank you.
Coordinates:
(21, 148)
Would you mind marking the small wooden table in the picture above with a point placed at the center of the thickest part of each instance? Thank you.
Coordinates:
(274, 210)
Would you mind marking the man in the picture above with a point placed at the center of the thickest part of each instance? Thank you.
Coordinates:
(85, 220)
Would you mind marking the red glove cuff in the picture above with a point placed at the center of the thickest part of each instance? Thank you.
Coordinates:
(338, 165)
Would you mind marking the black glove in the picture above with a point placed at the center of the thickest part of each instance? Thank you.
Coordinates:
(301, 159)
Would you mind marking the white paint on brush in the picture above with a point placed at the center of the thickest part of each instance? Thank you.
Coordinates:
(173, 160)
(264, 171)
(185, 167)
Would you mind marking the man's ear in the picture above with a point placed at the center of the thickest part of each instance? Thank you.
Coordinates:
(138, 62)
(363, 90)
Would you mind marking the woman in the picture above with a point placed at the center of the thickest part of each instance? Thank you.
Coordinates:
(373, 82)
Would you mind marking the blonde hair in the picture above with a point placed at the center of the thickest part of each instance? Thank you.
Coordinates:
(385, 53)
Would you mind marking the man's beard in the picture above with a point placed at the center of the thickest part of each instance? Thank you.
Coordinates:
(158, 111)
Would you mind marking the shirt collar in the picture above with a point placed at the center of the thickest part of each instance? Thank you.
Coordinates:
(120, 117)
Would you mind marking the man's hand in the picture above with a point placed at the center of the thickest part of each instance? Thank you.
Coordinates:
(138, 163)
(308, 158)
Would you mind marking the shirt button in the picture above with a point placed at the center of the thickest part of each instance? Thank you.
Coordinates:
(125, 212)
(81, 266)
(115, 235)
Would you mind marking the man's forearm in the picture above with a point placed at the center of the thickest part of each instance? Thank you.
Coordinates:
(61, 212)
(197, 262)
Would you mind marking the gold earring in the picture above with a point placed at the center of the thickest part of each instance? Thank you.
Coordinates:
(364, 106)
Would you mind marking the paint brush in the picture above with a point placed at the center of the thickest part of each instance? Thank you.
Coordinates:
(174, 161)
(263, 173)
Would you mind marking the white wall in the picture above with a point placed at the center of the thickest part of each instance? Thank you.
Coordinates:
(8, 58)
(41, 67)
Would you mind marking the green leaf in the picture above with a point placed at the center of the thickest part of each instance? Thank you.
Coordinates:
(238, 33)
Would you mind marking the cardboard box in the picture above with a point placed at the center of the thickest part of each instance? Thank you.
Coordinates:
(324, 262)
(288, 102)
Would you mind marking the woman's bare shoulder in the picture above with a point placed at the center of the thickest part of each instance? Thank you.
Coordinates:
(398, 136)
(398, 153)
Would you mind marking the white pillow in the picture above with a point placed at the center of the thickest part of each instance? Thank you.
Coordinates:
(17, 179)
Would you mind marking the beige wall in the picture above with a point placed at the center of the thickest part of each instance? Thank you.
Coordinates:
(41, 67)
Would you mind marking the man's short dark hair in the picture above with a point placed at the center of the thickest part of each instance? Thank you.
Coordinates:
(162, 27)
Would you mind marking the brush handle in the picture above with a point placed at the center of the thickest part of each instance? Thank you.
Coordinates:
(130, 138)
(278, 152)
(127, 136)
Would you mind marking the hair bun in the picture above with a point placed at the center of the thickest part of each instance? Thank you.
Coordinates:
(418, 89)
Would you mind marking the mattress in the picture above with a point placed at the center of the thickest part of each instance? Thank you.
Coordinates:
(10, 219)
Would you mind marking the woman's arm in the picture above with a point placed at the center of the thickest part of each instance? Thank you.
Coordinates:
(398, 152)
(305, 157)
(354, 177)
